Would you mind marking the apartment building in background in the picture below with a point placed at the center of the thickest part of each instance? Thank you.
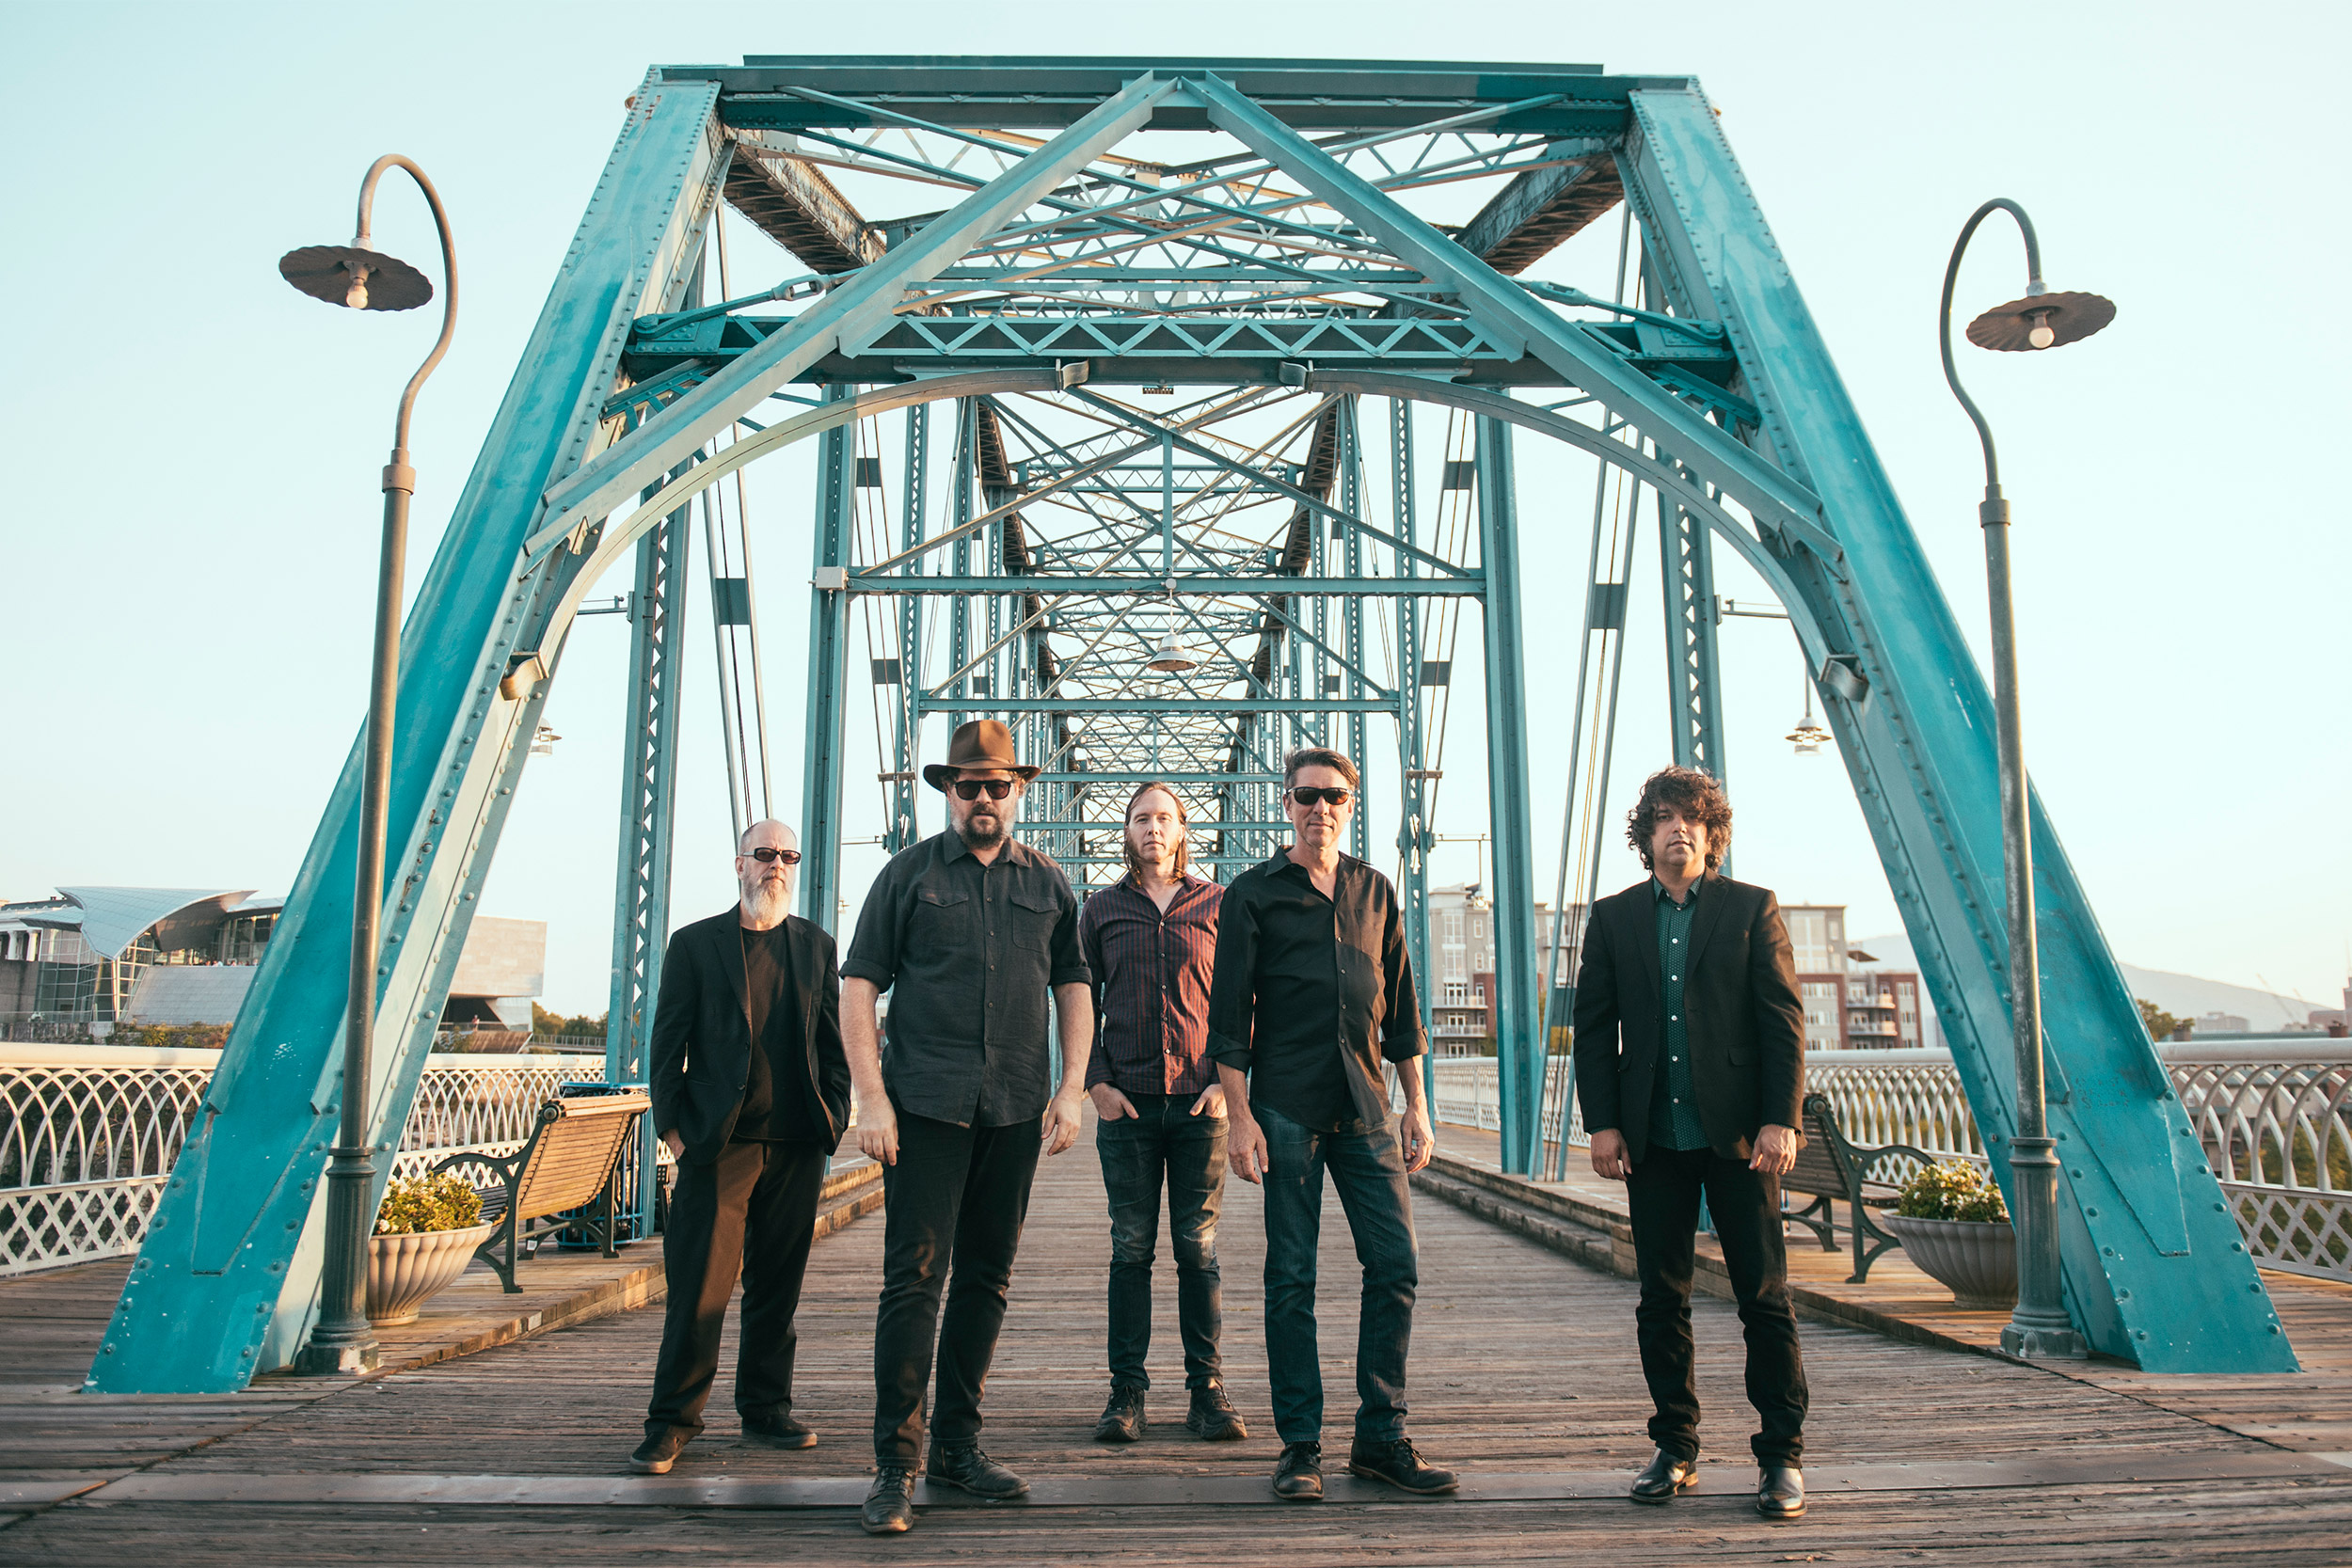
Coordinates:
(1817, 940)
(1461, 983)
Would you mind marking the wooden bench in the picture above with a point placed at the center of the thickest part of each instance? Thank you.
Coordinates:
(567, 1166)
(1829, 1166)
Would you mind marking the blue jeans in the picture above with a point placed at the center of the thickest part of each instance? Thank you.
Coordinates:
(1163, 1143)
(1367, 1166)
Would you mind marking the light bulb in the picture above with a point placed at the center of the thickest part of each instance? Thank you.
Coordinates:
(2041, 334)
(357, 295)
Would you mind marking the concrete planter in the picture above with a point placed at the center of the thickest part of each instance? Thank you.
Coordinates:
(404, 1271)
(1977, 1259)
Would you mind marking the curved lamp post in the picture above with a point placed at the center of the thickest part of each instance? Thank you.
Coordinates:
(2039, 1326)
(361, 278)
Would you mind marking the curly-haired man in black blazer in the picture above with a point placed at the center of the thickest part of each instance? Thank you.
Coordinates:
(1690, 1066)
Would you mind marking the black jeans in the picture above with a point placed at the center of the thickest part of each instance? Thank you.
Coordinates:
(1163, 1143)
(754, 1209)
(1367, 1167)
(953, 1204)
(1664, 1195)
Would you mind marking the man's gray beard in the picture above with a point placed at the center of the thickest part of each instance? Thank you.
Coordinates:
(770, 902)
(977, 837)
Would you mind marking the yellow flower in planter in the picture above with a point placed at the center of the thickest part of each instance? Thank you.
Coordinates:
(415, 1205)
(1952, 1190)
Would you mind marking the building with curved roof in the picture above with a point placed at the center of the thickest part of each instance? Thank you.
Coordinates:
(101, 956)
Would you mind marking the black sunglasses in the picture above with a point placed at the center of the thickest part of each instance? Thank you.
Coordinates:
(1307, 795)
(970, 788)
(763, 855)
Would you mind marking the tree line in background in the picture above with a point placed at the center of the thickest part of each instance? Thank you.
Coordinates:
(544, 1022)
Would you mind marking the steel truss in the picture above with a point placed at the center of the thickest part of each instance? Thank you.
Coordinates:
(1265, 504)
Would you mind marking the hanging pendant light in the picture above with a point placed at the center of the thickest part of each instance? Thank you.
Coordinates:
(1807, 737)
(1172, 655)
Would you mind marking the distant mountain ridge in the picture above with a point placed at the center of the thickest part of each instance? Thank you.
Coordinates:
(2182, 995)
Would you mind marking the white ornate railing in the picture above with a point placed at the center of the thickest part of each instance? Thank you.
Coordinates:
(2275, 1119)
(89, 1135)
(2277, 1127)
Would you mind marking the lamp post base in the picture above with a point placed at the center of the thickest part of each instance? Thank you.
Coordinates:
(341, 1360)
(2037, 1341)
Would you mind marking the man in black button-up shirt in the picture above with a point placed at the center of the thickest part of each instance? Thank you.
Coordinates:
(1314, 992)
(968, 931)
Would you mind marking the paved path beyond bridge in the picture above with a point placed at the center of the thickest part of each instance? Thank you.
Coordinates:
(1523, 1375)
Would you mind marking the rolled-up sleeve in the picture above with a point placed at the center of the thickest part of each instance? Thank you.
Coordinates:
(1233, 985)
(1402, 1038)
(874, 951)
(1069, 959)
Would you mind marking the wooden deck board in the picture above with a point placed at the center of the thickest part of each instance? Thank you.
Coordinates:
(1522, 1362)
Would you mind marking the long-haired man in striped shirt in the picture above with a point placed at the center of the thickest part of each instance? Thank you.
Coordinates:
(1150, 940)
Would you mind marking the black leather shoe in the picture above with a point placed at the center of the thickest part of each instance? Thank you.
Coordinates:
(1299, 1476)
(1665, 1476)
(655, 1455)
(1780, 1492)
(1396, 1462)
(890, 1502)
(776, 1430)
(1122, 1418)
(963, 1465)
(1214, 1417)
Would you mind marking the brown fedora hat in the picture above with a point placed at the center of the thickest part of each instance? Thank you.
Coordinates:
(982, 743)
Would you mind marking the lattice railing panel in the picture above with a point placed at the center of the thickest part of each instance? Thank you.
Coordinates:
(46, 1228)
(89, 1135)
(2301, 1232)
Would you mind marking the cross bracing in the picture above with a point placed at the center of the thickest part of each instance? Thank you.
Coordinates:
(1223, 367)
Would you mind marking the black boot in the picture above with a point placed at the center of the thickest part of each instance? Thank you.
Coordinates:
(1663, 1477)
(1122, 1418)
(656, 1454)
(1398, 1464)
(1298, 1478)
(963, 1465)
(777, 1430)
(1213, 1417)
(1780, 1492)
(890, 1503)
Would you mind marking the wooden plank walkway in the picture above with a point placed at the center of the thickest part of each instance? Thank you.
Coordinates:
(1523, 1374)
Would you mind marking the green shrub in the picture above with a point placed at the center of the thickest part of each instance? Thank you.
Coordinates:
(418, 1204)
(1954, 1190)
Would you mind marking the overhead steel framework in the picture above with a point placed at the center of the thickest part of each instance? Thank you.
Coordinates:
(1168, 425)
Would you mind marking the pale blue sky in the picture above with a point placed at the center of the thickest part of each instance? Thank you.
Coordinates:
(193, 448)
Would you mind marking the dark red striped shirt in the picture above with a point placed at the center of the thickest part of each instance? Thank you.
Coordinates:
(1151, 986)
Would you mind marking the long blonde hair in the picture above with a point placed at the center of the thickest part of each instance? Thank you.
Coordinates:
(1184, 822)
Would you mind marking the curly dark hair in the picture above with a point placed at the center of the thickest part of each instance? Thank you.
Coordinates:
(1691, 792)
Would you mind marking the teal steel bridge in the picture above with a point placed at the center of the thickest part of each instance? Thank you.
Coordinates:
(1174, 430)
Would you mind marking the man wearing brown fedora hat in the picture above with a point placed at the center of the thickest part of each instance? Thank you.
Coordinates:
(969, 931)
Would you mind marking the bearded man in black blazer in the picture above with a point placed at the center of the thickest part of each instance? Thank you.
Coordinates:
(1690, 1067)
(751, 1091)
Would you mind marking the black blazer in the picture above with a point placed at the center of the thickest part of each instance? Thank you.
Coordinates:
(702, 1032)
(1746, 1022)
